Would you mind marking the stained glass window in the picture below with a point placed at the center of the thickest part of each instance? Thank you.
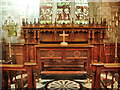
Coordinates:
(63, 11)
(81, 11)
(46, 11)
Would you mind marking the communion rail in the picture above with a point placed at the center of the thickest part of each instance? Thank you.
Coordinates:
(106, 76)
(16, 76)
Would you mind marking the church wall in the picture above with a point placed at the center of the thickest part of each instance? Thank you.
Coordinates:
(110, 11)
(17, 9)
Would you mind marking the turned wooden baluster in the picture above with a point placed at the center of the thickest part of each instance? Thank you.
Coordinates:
(26, 36)
(21, 77)
(89, 36)
(106, 73)
(4, 80)
(15, 81)
(93, 35)
(112, 74)
(101, 36)
(8, 76)
(104, 34)
(38, 36)
(34, 36)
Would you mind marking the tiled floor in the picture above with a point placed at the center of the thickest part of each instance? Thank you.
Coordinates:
(40, 83)
(43, 82)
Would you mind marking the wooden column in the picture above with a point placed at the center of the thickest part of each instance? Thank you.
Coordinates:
(98, 78)
(93, 76)
(96, 71)
(101, 50)
(26, 53)
(88, 60)
(96, 53)
(30, 74)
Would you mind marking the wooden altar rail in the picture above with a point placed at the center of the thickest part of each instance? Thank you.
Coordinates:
(110, 73)
(20, 76)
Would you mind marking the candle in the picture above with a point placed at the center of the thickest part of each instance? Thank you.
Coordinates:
(116, 23)
(110, 23)
(10, 53)
(113, 18)
(116, 14)
(116, 47)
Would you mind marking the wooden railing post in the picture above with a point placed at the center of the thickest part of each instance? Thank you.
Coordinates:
(93, 76)
(31, 75)
(96, 70)
(98, 78)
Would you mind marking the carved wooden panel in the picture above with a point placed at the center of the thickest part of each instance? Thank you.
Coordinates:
(51, 53)
(76, 53)
(80, 36)
(46, 36)
(17, 52)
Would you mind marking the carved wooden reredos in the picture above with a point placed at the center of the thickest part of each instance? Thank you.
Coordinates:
(86, 34)
(37, 33)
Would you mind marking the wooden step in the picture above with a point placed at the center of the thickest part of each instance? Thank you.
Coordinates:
(63, 72)
(64, 66)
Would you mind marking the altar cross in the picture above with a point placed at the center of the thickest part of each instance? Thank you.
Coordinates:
(64, 35)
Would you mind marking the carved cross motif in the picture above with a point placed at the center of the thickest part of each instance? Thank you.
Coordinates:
(64, 35)
(64, 43)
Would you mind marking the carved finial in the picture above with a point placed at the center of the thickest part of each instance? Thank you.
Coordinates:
(35, 22)
(72, 22)
(23, 22)
(89, 22)
(104, 22)
(63, 24)
(55, 22)
(38, 22)
(93, 22)
(26, 22)
(30, 23)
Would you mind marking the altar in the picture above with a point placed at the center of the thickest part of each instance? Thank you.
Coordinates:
(57, 59)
